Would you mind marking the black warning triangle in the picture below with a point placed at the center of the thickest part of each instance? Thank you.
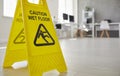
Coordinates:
(43, 37)
(20, 39)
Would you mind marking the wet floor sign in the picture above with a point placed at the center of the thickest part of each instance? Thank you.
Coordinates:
(33, 38)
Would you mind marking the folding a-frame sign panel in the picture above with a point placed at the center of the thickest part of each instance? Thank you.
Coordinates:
(33, 38)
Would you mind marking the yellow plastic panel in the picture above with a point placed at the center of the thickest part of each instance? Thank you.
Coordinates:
(44, 52)
(16, 48)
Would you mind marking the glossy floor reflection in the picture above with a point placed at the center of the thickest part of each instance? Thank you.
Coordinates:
(84, 57)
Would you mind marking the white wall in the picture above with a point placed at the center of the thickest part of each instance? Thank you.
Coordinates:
(104, 9)
(61, 10)
(69, 7)
(53, 8)
(75, 10)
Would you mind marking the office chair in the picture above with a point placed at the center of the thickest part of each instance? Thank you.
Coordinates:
(104, 26)
(82, 29)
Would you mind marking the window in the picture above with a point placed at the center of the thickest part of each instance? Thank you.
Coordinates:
(10, 5)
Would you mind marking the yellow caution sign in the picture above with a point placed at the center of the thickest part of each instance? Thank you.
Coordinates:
(36, 41)
(16, 48)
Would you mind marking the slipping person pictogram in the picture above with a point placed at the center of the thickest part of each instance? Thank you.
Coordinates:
(41, 33)
(20, 39)
(43, 37)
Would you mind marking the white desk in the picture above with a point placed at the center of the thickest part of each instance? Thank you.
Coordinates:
(67, 30)
(98, 24)
(72, 26)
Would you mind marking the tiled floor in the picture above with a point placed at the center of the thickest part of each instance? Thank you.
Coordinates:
(84, 57)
